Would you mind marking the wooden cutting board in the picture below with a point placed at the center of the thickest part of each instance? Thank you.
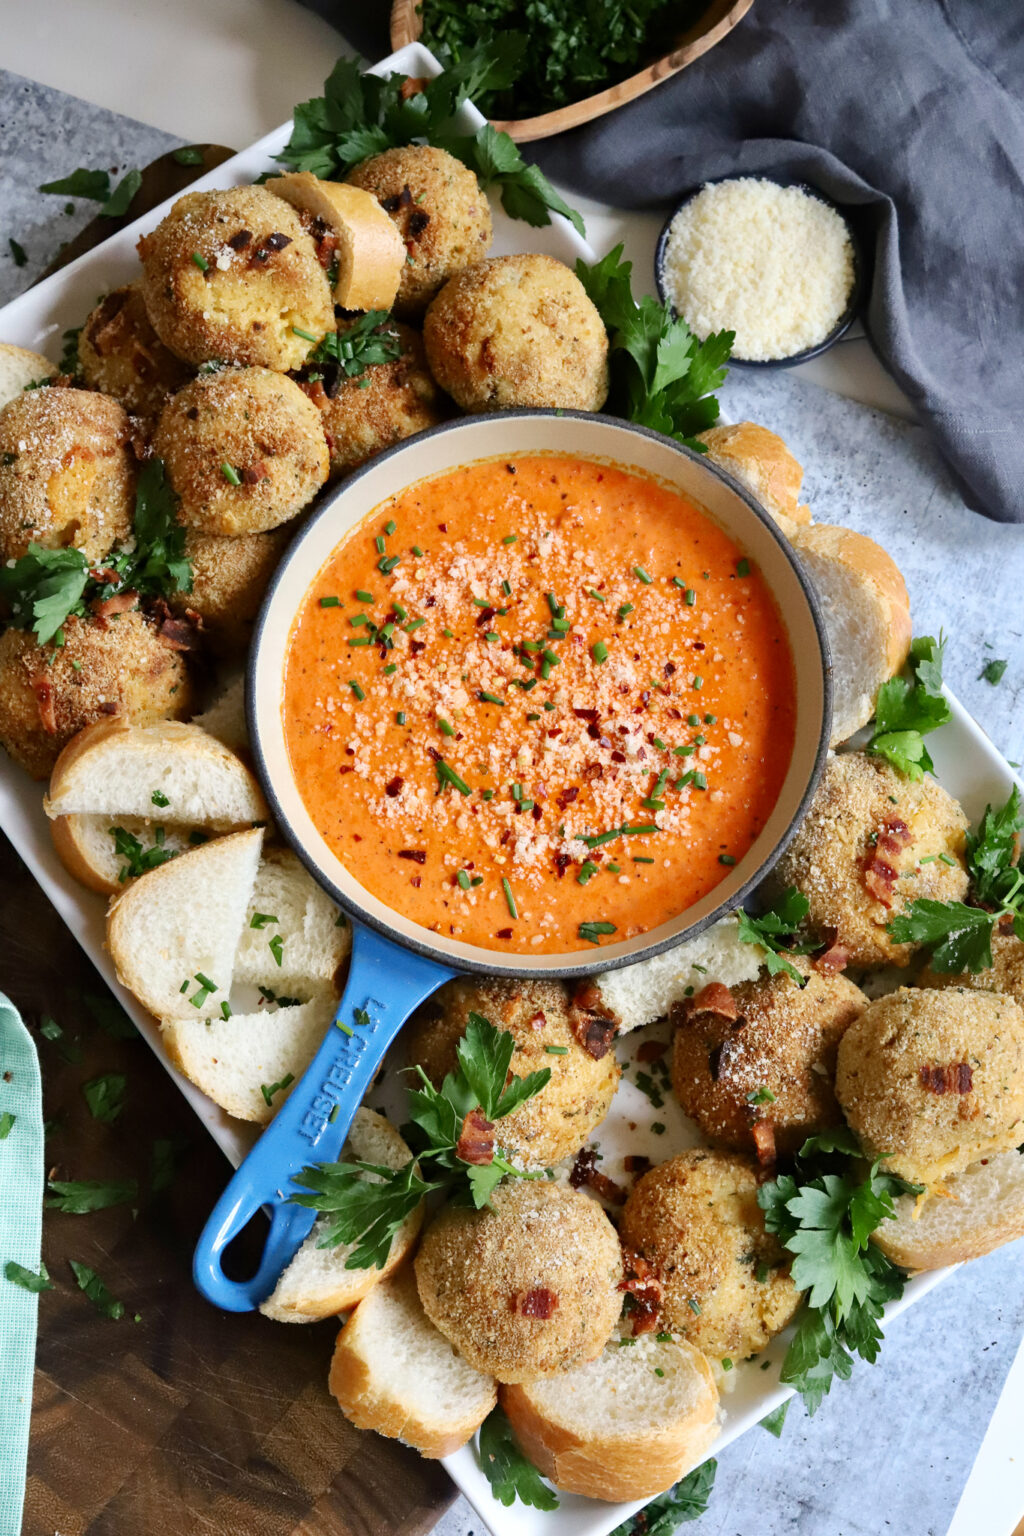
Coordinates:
(189, 1420)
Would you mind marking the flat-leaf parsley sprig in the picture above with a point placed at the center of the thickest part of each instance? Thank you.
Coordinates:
(369, 340)
(360, 115)
(456, 1150)
(824, 1213)
(774, 930)
(662, 376)
(907, 710)
(687, 1501)
(511, 1475)
(959, 935)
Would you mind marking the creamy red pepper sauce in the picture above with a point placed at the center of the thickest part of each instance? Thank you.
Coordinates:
(539, 705)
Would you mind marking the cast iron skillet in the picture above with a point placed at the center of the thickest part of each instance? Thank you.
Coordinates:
(396, 964)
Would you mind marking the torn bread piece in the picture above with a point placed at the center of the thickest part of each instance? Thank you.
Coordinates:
(636, 995)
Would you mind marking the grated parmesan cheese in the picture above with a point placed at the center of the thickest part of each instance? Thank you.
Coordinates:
(774, 264)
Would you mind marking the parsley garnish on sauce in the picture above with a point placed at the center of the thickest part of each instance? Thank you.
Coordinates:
(366, 1204)
(908, 710)
(662, 376)
(509, 1473)
(824, 1213)
(360, 115)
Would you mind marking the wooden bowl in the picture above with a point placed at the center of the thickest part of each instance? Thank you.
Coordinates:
(717, 22)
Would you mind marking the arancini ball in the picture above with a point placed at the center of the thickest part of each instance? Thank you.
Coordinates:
(764, 1055)
(872, 842)
(229, 578)
(518, 331)
(556, 1122)
(934, 1079)
(441, 213)
(726, 1285)
(1005, 974)
(244, 449)
(67, 472)
(383, 405)
(233, 277)
(527, 1286)
(121, 354)
(118, 666)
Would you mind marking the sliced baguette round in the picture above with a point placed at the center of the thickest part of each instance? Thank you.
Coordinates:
(614, 1430)
(225, 717)
(182, 919)
(88, 852)
(983, 1208)
(394, 1372)
(316, 938)
(232, 1060)
(115, 769)
(866, 608)
(370, 254)
(760, 460)
(317, 1283)
(19, 368)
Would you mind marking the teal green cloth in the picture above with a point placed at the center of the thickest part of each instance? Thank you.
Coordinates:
(21, 1221)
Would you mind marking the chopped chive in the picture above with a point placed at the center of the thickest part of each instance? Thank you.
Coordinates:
(296, 331)
(641, 575)
(360, 695)
(330, 602)
(547, 702)
(689, 597)
(184, 986)
(693, 720)
(699, 740)
(392, 666)
(659, 1372)
(533, 645)
(417, 552)
(385, 632)
(357, 620)
(201, 262)
(743, 567)
(487, 794)
(657, 1127)
(389, 527)
(387, 565)
(599, 651)
(445, 728)
(599, 597)
(698, 682)
(225, 1009)
(626, 608)
(480, 602)
(677, 581)
(533, 717)
(510, 900)
(556, 1050)
(517, 791)
(365, 597)
(710, 719)
(204, 981)
(400, 717)
(700, 781)
(463, 878)
(510, 538)
(506, 588)
(339, 1024)
(587, 873)
(231, 474)
(334, 1114)
(553, 603)
(477, 880)
(551, 659)
(358, 640)
(561, 626)
(726, 858)
(660, 744)
(694, 1306)
(491, 636)
(639, 858)
(400, 612)
(447, 775)
(613, 869)
(651, 804)
(450, 633)
(379, 542)
(489, 698)
(159, 798)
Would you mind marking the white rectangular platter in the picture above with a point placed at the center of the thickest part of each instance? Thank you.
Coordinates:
(966, 763)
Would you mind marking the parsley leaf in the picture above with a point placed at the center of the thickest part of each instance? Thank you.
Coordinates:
(993, 851)
(507, 1470)
(360, 115)
(43, 588)
(158, 564)
(18, 1275)
(779, 921)
(69, 363)
(119, 200)
(993, 671)
(907, 710)
(78, 1197)
(89, 1282)
(359, 1211)
(824, 1214)
(370, 340)
(7, 1123)
(110, 1016)
(661, 375)
(18, 254)
(105, 1096)
(687, 1501)
(962, 935)
(774, 1421)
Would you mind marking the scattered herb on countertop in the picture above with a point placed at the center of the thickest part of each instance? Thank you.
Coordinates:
(18, 1275)
(960, 936)
(89, 1282)
(777, 923)
(78, 1197)
(908, 710)
(454, 1143)
(360, 115)
(18, 253)
(661, 376)
(508, 1471)
(687, 1501)
(993, 671)
(7, 1124)
(95, 185)
(824, 1213)
(105, 1096)
(110, 1016)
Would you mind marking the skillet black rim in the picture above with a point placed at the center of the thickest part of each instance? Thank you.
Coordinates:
(600, 961)
(853, 306)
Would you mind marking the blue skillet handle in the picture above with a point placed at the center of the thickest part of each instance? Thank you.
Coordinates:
(384, 982)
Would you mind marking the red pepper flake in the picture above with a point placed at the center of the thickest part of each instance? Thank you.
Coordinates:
(645, 1290)
(415, 646)
(586, 714)
(566, 798)
(540, 1303)
(346, 769)
(957, 1077)
(562, 862)
(476, 1140)
(484, 616)
(393, 787)
(417, 855)
(503, 933)
(585, 1171)
(252, 474)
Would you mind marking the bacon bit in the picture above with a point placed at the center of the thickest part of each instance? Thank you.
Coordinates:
(636, 1163)
(714, 998)
(880, 878)
(399, 200)
(241, 240)
(719, 1058)
(893, 835)
(834, 958)
(586, 714)
(178, 635)
(476, 1140)
(647, 1291)
(105, 609)
(586, 1171)
(594, 1034)
(589, 999)
(652, 1050)
(315, 391)
(252, 474)
(417, 855)
(393, 787)
(957, 1077)
(417, 222)
(277, 241)
(43, 691)
(411, 86)
(540, 1302)
(763, 1133)
(538, 1020)
(110, 707)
